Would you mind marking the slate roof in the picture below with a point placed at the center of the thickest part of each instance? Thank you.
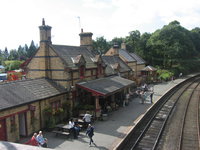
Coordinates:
(67, 53)
(126, 55)
(113, 61)
(105, 86)
(138, 58)
(25, 91)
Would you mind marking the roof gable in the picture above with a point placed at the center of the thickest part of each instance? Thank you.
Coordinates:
(73, 54)
(78, 60)
(115, 63)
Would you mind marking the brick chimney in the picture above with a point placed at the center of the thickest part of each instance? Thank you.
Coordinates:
(115, 48)
(45, 32)
(123, 46)
(45, 41)
(86, 39)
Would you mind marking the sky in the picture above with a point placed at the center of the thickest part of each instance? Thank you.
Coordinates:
(20, 19)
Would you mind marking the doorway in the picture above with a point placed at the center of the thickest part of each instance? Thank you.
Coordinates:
(3, 134)
(22, 124)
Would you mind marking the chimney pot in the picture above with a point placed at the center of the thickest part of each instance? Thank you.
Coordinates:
(43, 22)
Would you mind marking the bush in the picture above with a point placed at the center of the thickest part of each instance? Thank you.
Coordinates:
(164, 74)
(13, 65)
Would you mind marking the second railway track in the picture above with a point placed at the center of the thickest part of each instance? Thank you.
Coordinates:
(166, 125)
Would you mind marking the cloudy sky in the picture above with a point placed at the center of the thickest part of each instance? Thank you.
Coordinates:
(109, 18)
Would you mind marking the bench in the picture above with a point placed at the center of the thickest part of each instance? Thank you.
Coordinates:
(61, 133)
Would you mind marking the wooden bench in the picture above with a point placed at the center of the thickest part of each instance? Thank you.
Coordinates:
(61, 133)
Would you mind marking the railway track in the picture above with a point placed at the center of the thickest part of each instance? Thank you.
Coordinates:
(171, 124)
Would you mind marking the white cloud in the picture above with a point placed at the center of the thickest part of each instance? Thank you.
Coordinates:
(109, 18)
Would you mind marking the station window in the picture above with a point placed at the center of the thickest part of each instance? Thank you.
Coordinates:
(82, 72)
(55, 105)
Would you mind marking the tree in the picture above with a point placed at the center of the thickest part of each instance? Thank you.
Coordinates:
(143, 49)
(196, 38)
(172, 46)
(31, 50)
(132, 41)
(101, 45)
(13, 55)
(5, 54)
(12, 65)
(21, 53)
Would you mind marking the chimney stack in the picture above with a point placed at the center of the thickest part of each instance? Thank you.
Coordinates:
(116, 48)
(86, 39)
(123, 46)
(45, 32)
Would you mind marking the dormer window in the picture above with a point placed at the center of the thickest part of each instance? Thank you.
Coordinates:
(82, 71)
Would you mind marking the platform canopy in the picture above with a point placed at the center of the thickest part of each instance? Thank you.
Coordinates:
(105, 86)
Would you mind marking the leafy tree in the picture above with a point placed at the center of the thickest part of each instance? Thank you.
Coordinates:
(12, 65)
(143, 49)
(101, 45)
(171, 46)
(196, 38)
(132, 41)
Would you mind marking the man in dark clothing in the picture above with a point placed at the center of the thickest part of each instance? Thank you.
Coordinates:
(151, 97)
(90, 133)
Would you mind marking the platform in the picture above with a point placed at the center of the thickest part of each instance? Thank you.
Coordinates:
(110, 132)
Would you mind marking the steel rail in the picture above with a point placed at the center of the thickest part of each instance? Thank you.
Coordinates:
(162, 123)
(124, 144)
(198, 123)
(184, 119)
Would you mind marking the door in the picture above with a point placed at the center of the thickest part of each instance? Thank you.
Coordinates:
(22, 124)
(3, 130)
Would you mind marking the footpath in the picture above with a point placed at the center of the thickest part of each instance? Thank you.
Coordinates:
(110, 132)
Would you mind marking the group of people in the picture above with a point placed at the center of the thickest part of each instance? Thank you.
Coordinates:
(144, 93)
(38, 140)
(75, 127)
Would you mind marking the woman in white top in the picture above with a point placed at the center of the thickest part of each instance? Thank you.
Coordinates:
(87, 118)
(72, 129)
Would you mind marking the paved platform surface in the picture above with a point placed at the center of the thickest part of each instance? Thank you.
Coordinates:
(109, 133)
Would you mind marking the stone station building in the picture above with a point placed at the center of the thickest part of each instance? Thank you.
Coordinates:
(59, 77)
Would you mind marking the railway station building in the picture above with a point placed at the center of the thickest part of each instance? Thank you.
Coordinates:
(60, 78)
(135, 62)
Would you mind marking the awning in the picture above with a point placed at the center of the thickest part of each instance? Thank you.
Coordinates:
(105, 86)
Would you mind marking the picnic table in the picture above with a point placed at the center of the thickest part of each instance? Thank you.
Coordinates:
(62, 129)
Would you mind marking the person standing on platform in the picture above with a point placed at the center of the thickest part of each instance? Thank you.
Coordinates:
(151, 97)
(87, 118)
(151, 94)
(90, 134)
(142, 96)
